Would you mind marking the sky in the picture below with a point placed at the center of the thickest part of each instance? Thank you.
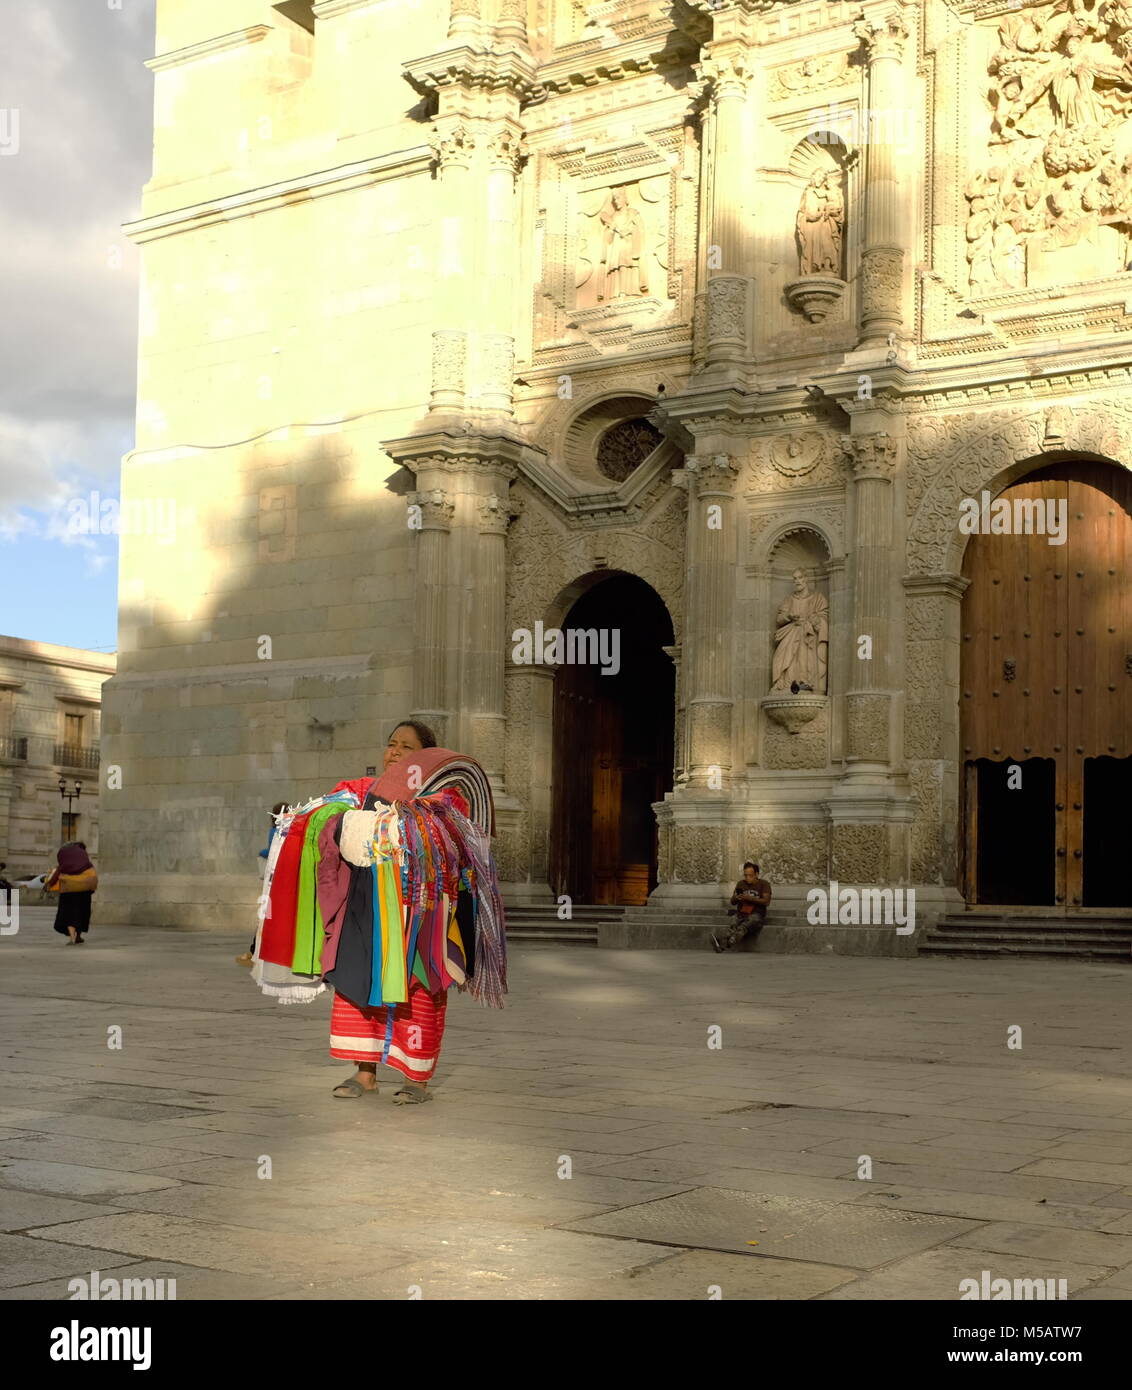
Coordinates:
(76, 122)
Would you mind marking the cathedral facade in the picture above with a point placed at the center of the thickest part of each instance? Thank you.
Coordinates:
(713, 415)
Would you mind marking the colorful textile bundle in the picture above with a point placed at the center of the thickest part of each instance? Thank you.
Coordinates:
(380, 882)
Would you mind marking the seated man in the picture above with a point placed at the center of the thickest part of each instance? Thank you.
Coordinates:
(748, 906)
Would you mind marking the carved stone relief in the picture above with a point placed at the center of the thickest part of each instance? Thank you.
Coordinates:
(1051, 201)
(622, 243)
(796, 454)
(954, 456)
(810, 75)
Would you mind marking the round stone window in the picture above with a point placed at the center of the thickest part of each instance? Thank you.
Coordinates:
(625, 446)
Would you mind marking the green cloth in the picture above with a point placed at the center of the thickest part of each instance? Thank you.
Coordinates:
(419, 970)
(310, 930)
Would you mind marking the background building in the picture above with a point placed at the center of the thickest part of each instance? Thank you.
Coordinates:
(50, 712)
(697, 321)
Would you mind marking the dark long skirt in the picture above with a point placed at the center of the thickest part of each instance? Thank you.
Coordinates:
(73, 911)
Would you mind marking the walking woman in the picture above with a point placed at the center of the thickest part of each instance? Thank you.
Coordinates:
(75, 880)
(386, 891)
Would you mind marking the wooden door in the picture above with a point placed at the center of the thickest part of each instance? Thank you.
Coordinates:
(1046, 669)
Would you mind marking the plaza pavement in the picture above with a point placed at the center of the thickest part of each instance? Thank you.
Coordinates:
(694, 1168)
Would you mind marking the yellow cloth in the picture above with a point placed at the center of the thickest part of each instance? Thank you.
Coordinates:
(86, 882)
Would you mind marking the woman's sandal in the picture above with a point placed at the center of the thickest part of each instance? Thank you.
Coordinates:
(351, 1089)
(410, 1094)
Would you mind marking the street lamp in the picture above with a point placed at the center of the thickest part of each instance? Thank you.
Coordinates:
(69, 797)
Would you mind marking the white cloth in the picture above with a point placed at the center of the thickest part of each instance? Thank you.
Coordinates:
(355, 843)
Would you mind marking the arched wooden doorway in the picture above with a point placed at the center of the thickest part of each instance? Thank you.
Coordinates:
(1046, 692)
(612, 748)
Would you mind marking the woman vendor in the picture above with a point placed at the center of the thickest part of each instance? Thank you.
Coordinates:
(385, 890)
(74, 880)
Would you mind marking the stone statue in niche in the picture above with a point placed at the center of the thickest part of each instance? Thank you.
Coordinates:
(801, 651)
(622, 245)
(819, 225)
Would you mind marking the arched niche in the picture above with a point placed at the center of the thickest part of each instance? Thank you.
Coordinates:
(820, 173)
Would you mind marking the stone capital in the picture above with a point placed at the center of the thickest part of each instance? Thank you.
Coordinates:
(494, 514)
(506, 150)
(871, 456)
(711, 474)
(885, 40)
(436, 507)
(453, 146)
(727, 75)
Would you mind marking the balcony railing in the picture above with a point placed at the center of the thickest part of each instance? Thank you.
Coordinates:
(67, 755)
(14, 748)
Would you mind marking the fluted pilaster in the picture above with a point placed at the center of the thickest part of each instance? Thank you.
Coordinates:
(487, 653)
(882, 260)
(710, 620)
(433, 522)
(872, 459)
(728, 78)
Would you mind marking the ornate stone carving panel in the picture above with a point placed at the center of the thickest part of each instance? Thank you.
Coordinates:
(859, 853)
(699, 854)
(789, 853)
(809, 748)
(1050, 198)
(867, 723)
(954, 456)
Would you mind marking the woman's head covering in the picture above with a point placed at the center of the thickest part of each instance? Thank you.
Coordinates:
(426, 771)
(73, 859)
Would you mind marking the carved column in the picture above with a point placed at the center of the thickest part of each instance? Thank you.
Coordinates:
(727, 260)
(872, 458)
(465, 18)
(512, 22)
(496, 304)
(487, 651)
(452, 149)
(430, 664)
(710, 614)
(882, 260)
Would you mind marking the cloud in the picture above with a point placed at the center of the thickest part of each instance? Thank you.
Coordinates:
(84, 99)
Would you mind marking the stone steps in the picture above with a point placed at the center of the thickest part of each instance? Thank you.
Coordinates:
(539, 922)
(1058, 938)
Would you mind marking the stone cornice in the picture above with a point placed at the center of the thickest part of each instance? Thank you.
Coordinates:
(502, 450)
(475, 67)
(332, 9)
(209, 48)
(651, 53)
(276, 195)
(933, 585)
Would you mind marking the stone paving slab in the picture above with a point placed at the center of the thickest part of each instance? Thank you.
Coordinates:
(74, 1180)
(1082, 1247)
(192, 1282)
(798, 1227)
(27, 1260)
(19, 1210)
(147, 1159)
(935, 1275)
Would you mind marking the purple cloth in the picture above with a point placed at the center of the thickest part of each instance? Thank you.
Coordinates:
(332, 887)
(73, 859)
